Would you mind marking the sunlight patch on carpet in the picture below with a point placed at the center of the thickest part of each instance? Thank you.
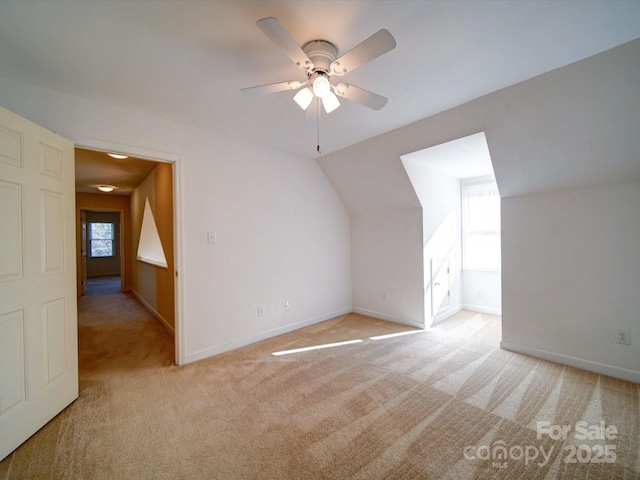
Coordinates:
(399, 334)
(316, 347)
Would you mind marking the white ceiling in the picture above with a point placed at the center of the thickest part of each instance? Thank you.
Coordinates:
(187, 61)
(463, 158)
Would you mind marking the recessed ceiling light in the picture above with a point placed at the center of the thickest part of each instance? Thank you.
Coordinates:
(106, 188)
(118, 156)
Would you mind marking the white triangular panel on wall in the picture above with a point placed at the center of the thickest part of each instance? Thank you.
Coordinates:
(150, 247)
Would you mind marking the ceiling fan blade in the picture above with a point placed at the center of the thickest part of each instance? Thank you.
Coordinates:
(273, 88)
(360, 96)
(278, 34)
(377, 44)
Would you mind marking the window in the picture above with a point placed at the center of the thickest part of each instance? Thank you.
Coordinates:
(481, 227)
(101, 236)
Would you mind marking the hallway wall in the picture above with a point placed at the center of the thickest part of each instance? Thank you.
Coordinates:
(154, 285)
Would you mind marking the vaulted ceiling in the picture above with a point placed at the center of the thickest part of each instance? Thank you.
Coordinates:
(187, 60)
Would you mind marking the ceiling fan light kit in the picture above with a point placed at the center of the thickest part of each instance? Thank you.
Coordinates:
(319, 60)
(330, 102)
(303, 98)
(320, 83)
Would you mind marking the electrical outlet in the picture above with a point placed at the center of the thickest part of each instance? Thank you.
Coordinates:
(384, 296)
(287, 305)
(623, 337)
(260, 312)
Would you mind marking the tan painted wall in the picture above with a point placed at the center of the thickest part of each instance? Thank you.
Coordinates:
(155, 285)
(107, 202)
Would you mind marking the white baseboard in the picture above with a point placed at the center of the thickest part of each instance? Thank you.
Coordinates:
(482, 309)
(601, 368)
(225, 347)
(153, 311)
(388, 318)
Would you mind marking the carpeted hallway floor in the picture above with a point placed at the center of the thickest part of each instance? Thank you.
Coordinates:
(393, 403)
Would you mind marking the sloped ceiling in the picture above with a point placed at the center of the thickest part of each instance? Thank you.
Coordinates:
(575, 127)
(462, 158)
(187, 61)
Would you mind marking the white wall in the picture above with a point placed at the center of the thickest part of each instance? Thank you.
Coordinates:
(282, 232)
(572, 128)
(386, 232)
(439, 195)
(481, 291)
(580, 250)
(387, 275)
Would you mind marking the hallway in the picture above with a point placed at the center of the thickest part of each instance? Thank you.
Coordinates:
(103, 285)
(116, 332)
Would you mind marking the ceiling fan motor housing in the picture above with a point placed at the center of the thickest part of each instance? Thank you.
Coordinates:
(321, 53)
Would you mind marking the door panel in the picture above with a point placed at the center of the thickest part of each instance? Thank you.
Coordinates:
(52, 232)
(439, 285)
(11, 232)
(38, 309)
(12, 368)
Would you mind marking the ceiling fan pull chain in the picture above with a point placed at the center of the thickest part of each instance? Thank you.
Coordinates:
(318, 125)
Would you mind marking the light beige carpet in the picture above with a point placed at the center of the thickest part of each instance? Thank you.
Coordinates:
(434, 404)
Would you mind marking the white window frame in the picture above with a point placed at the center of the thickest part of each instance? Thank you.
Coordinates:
(470, 260)
(112, 240)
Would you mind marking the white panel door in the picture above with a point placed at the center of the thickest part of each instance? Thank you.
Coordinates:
(38, 309)
(440, 290)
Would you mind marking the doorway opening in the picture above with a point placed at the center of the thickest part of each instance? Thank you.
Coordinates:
(110, 225)
(457, 189)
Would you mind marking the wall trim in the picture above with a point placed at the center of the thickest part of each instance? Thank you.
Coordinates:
(218, 349)
(153, 312)
(132, 150)
(596, 367)
(388, 318)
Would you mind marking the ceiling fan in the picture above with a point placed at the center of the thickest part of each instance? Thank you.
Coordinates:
(319, 61)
